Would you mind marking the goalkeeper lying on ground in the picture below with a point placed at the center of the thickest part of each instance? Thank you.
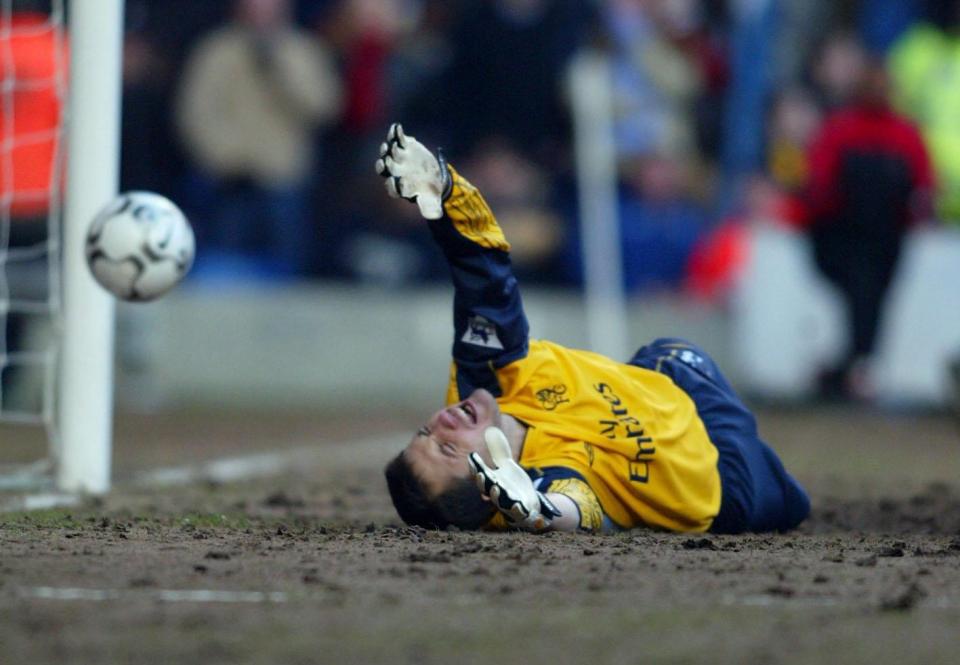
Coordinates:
(539, 436)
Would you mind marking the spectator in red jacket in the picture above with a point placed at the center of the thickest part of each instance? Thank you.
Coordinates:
(870, 178)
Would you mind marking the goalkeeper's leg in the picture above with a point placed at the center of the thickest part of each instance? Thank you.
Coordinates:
(757, 492)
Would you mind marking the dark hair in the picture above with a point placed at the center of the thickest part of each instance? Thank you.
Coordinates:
(462, 505)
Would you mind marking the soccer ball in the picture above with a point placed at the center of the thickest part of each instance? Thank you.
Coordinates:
(139, 246)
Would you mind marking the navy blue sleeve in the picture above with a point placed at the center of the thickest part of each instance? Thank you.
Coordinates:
(544, 477)
(490, 327)
(566, 481)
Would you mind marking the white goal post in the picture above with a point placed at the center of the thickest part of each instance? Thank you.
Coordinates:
(93, 167)
(59, 160)
(591, 99)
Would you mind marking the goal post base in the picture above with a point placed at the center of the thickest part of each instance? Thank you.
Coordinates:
(93, 140)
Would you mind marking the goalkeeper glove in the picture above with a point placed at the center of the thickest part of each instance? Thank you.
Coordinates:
(413, 173)
(509, 487)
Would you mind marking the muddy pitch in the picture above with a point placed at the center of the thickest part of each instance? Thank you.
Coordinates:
(313, 567)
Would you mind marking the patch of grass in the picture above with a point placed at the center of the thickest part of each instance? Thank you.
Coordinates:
(54, 518)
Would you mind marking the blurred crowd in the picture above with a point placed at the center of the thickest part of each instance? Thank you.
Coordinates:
(261, 116)
(836, 119)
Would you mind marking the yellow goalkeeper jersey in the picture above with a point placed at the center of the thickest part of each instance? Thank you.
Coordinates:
(630, 434)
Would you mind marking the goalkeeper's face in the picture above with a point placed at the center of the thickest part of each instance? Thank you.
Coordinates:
(437, 454)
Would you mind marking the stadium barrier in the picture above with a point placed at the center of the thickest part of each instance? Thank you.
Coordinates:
(330, 344)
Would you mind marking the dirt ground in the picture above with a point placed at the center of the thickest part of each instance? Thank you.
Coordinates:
(312, 566)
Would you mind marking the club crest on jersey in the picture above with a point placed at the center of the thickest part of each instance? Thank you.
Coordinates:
(481, 332)
(551, 398)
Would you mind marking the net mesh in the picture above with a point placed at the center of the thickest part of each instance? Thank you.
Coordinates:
(33, 76)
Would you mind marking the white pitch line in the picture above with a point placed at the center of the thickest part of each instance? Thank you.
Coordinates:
(260, 465)
(225, 470)
(164, 595)
(348, 454)
(39, 502)
(74, 594)
(770, 600)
